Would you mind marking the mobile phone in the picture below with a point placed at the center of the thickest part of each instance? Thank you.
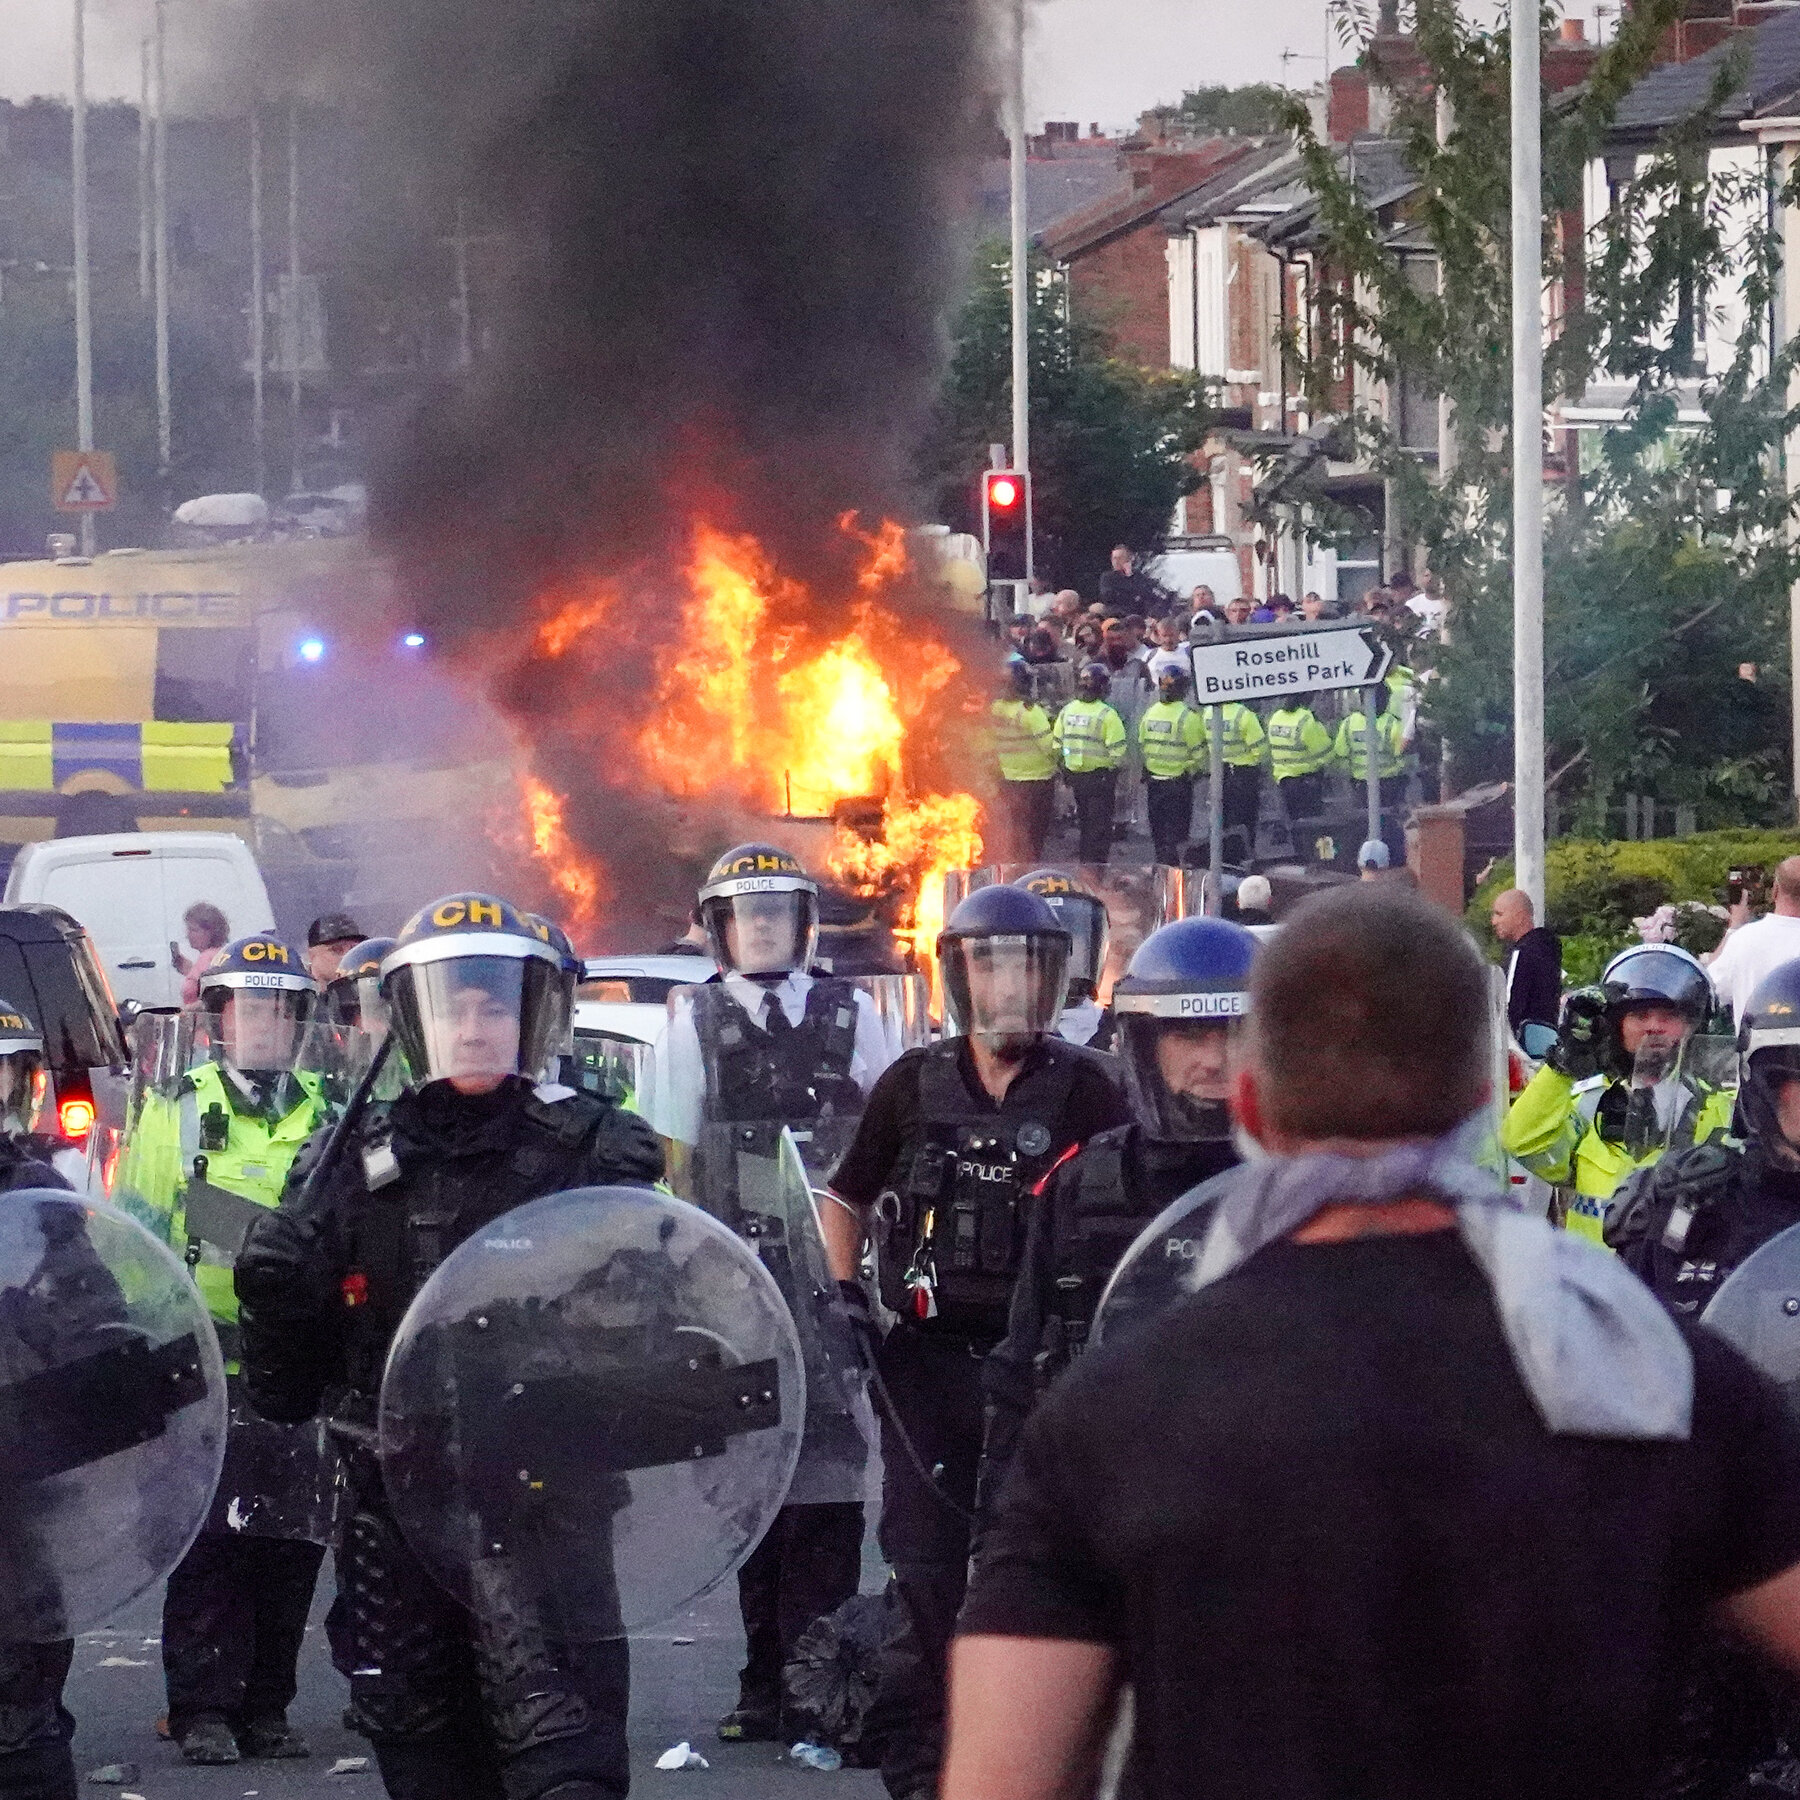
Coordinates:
(1745, 883)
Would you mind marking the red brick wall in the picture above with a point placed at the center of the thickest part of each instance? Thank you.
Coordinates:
(1123, 287)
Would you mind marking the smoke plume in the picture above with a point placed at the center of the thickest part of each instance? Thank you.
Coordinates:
(719, 242)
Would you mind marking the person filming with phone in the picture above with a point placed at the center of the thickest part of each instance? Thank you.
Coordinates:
(1755, 947)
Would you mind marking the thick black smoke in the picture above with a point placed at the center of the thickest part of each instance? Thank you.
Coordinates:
(720, 244)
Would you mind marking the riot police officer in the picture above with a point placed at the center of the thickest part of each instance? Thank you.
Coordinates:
(1082, 914)
(768, 1044)
(197, 1161)
(35, 1727)
(454, 1702)
(1179, 1006)
(952, 1145)
(355, 1008)
(1611, 1095)
(1683, 1225)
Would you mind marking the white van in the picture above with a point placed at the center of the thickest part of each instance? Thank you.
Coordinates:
(1187, 562)
(129, 890)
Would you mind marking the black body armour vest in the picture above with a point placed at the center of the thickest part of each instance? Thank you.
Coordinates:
(955, 1219)
(416, 1203)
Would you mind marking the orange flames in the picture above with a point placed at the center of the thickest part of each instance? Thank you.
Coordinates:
(790, 708)
(572, 875)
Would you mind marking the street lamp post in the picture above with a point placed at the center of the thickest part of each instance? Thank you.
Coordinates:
(1528, 459)
(1021, 273)
(84, 319)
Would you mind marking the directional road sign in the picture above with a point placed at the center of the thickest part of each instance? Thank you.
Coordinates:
(1278, 667)
(83, 481)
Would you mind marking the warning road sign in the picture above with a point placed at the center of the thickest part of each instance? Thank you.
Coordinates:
(83, 481)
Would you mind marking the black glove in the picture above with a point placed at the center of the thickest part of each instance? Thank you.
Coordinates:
(1580, 1034)
(853, 1302)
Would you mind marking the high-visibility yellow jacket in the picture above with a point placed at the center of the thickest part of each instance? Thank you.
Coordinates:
(171, 1130)
(1246, 743)
(1552, 1130)
(1390, 759)
(1172, 740)
(1090, 735)
(1298, 743)
(1023, 740)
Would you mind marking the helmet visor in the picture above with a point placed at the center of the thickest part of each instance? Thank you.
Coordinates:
(1083, 917)
(476, 1019)
(1178, 1075)
(1771, 1096)
(261, 1029)
(763, 933)
(24, 1086)
(1005, 987)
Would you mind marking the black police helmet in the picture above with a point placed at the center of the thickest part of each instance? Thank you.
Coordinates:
(1651, 975)
(1769, 1055)
(1191, 973)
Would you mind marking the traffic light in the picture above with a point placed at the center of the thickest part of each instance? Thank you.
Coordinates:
(1006, 524)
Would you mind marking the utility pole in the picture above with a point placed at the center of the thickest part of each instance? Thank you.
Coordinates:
(84, 319)
(292, 320)
(1021, 276)
(160, 183)
(1528, 459)
(143, 191)
(258, 307)
(459, 248)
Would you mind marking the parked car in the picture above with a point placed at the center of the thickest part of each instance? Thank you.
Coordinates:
(48, 966)
(129, 889)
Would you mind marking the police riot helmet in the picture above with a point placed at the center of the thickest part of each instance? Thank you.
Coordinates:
(353, 995)
(1020, 671)
(1769, 1056)
(475, 992)
(573, 967)
(1646, 975)
(1082, 914)
(1180, 1005)
(256, 1001)
(1004, 956)
(760, 911)
(24, 1082)
(1095, 680)
(1172, 682)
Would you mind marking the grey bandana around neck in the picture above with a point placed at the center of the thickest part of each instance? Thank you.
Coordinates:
(1594, 1348)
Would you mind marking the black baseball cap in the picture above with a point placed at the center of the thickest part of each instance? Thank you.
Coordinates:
(334, 928)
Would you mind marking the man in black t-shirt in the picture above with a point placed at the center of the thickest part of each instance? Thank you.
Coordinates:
(943, 1172)
(1411, 1496)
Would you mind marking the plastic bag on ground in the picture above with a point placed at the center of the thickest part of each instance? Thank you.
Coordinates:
(828, 1685)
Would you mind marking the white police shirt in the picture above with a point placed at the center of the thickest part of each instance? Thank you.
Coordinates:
(674, 1089)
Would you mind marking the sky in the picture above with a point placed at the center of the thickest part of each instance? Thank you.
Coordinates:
(1093, 61)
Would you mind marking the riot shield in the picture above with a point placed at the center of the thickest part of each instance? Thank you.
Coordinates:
(112, 1413)
(903, 1004)
(755, 1178)
(1158, 1269)
(610, 1066)
(1668, 1085)
(591, 1412)
(1757, 1310)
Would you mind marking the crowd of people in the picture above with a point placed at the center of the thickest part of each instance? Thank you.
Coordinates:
(1100, 700)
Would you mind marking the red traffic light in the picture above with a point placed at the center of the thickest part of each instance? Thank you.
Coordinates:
(1003, 491)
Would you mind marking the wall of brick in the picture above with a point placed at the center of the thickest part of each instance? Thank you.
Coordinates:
(1123, 287)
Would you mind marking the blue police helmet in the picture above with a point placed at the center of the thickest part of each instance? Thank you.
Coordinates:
(260, 961)
(1095, 679)
(1769, 1050)
(1023, 947)
(1191, 977)
(1000, 911)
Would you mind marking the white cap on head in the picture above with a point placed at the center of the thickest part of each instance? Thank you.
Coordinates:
(1254, 890)
(1373, 855)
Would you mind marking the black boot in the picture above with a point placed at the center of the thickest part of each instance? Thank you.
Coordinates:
(206, 1738)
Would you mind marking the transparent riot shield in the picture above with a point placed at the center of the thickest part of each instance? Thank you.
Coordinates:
(612, 1067)
(175, 1174)
(112, 1413)
(1669, 1085)
(1158, 1269)
(1757, 1309)
(755, 1178)
(591, 1413)
(903, 1004)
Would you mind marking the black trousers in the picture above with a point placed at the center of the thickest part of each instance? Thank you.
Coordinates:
(455, 1709)
(1171, 808)
(35, 1726)
(1030, 810)
(808, 1564)
(234, 1618)
(1303, 796)
(1243, 801)
(934, 1379)
(1093, 791)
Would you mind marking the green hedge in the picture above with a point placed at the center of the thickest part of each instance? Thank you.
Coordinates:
(1595, 890)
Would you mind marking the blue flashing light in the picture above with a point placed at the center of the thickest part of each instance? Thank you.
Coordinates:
(311, 649)
(414, 640)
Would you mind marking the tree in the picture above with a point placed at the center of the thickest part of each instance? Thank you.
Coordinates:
(1111, 443)
(1248, 111)
(1668, 551)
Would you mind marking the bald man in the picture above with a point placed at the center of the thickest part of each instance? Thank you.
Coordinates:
(1533, 960)
(1755, 946)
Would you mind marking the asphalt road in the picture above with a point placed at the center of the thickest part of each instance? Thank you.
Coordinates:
(683, 1679)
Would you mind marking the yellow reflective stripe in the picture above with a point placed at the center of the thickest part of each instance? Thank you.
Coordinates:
(26, 757)
(186, 758)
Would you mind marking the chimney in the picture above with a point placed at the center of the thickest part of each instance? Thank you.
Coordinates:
(1574, 31)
